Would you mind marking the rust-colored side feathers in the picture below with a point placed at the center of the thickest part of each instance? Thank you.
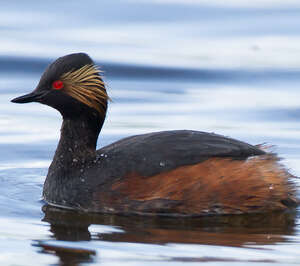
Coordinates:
(215, 186)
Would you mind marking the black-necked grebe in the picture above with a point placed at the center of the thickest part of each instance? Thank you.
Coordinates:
(180, 173)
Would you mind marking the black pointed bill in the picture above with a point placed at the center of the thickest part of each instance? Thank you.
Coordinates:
(34, 96)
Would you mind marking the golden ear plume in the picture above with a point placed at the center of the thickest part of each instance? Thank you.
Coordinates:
(85, 85)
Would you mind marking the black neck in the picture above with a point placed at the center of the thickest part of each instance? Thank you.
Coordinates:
(76, 150)
(78, 141)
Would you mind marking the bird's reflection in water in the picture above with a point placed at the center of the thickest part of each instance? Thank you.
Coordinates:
(233, 230)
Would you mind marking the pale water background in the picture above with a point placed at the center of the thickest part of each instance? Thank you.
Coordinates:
(229, 67)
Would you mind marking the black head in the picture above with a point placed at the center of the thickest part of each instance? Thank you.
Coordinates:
(71, 84)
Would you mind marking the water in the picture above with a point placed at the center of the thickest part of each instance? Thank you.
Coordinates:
(231, 68)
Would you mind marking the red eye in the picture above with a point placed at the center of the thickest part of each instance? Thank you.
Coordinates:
(57, 85)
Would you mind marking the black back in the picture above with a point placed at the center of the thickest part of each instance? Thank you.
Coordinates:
(152, 153)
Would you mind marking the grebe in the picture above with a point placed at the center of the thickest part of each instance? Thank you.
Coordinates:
(175, 173)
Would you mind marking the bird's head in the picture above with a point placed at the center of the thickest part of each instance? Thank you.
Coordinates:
(71, 84)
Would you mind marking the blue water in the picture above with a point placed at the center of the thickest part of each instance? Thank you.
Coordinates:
(231, 68)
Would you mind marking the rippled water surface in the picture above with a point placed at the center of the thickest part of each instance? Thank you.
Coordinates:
(229, 68)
